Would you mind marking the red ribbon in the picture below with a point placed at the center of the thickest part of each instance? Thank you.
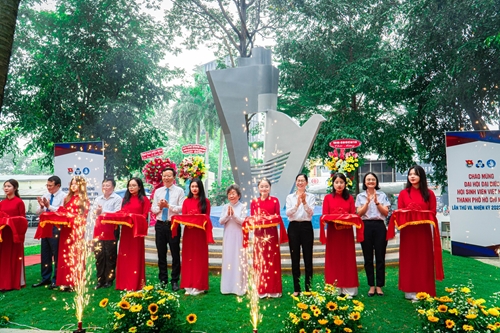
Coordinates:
(48, 219)
(402, 218)
(135, 221)
(18, 225)
(200, 221)
(260, 222)
(340, 220)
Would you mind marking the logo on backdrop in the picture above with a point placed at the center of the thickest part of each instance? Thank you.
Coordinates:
(491, 163)
(479, 164)
(469, 163)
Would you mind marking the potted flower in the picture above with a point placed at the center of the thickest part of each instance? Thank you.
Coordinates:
(458, 311)
(345, 163)
(324, 311)
(151, 309)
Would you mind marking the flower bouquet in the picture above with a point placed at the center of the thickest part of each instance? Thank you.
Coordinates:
(192, 167)
(152, 170)
(151, 309)
(324, 311)
(345, 163)
(458, 311)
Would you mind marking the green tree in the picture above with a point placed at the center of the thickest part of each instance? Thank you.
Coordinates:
(195, 111)
(90, 70)
(230, 26)
(8, 17)
(451, 81)
(338, 60)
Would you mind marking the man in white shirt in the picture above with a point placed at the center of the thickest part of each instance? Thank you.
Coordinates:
(167, 202)
(50, 202)
(106, 235)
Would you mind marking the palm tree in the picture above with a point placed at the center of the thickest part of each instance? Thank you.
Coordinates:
(195, 111)
(8, 17)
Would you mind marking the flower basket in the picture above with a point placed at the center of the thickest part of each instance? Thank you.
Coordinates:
(151, 309)
(192, 167)
(152, 170)
(458, 311)
(346, 163)
(324, 311)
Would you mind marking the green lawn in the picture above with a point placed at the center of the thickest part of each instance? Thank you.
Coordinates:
(49, 310)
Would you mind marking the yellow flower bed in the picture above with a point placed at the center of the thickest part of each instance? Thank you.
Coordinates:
(458, 311)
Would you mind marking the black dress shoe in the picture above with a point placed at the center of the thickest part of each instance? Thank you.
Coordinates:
(39, 284)
(175, 286)
(53, 286)
(108, 284)
(99, 286)
(371, 294)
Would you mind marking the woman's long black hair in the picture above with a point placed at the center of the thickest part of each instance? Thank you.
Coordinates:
(424, 189)
(201, 195)
(141, 193)
(345, 192)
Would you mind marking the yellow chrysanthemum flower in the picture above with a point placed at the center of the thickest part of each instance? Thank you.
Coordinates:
(306, 293)
(115, 326)
(453, 312)
(154, 317)
(433, 319)
(5, 318)
(442, 308)
(317, 312)
(150, 323)
(347, 329)
(132, 329)
(148, 288)
(153, 308)
(445, 299)
(465, 290)
(471, 316)
(124, 304)
(331, 306)
(494, 312)
(136, 308)
(316, 331)
(103, 303)
(343, 308)
(305, 316)
(161, 301)
(323, 321)
(296, 321)
(422, 296)
(421, 311)
(449, 323)
(354, 315)
(292, 315)
(302, 306)
(449, 290)
(468, 328)
(491, 327)
(302, 330)
(191, 318)
(338, 322)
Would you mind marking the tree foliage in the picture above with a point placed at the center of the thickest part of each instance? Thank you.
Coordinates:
(393, 75)
(225, 24)
(338, 62)
(90, 70)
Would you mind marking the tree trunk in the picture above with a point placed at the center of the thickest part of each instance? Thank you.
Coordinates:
(8, 18)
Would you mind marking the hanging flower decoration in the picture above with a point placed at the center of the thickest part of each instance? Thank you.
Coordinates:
(346, 163)
(152, 170)
(192, 167)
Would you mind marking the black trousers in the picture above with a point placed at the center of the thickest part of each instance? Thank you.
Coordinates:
(163, 237)
(105, 259)
(49, 250)
(301, 234)
(375, 234)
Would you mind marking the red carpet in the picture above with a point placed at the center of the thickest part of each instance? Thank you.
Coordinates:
(32, 260)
